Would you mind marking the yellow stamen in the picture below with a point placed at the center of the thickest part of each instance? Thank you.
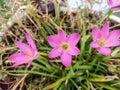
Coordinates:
(64, 46)
(102, 42)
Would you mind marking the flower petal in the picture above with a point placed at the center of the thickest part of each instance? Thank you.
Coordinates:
(113, 44)
(105, 30)
(114, 35)
(24, 47)
(74, 51)
(55, 52)
(31, 42)
(94, 44)
(62, 35)
(73, 39)
(116, 7)
(105, 51)
(110, 3)
(14, 56)
(66, 59)
(19, 59)
(95, 33)
(53, 40)
(113, 38)
(114, 4)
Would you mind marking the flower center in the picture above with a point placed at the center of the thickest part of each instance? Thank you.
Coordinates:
(29, 54)
(102, 42)
(65, 46)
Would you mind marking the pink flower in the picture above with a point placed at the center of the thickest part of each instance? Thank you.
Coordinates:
(114, 4)
(64, 46)
(103, 39)
(28, 52)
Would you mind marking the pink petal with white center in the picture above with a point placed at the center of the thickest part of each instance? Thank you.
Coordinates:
(55, 52)
(66, 59)
(62, 35)
(73, 39)
(26, 49)
(95, 33)
(94, 44)
(105, 51)
(53, 40)
(105, 30)
(74, 51)
(31, 42)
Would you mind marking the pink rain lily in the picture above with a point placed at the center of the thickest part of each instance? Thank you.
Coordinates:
(114, 4)
(103, 39)
(64, 46)
(28, 52)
